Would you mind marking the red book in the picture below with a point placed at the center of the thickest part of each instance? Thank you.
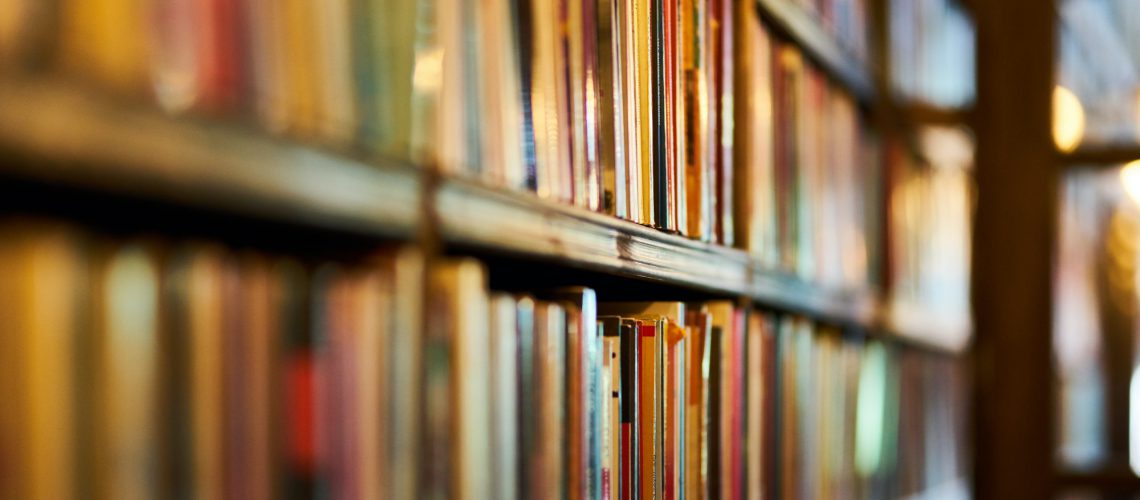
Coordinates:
(220, 54)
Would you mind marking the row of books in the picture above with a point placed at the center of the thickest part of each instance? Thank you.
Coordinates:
(846, 21)
(142, 368)
(685, 115)
(932, 52)
(863, 420)
(808, 184)
(596, 399)
(146, 368)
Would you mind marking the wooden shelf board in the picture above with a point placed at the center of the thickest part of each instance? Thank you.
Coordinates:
(825, 50)
(521, 223)
(1100, 156)
(63, 134)
(915, 113)
(1110, 479)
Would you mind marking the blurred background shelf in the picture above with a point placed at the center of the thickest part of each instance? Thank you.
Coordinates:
(138, 152)
(1106, 156)
(927, 329)
(1108, 479)
(914, 114)
(852, 307)
(808, 34)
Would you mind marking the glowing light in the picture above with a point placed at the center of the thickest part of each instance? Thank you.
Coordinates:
(1130, 179)
(1068, 119)
(1134, 421)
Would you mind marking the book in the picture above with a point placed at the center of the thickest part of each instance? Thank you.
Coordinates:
(457, 345)
(631, 401)
(503, 363)
(42, 263)
(551, 442)
(580, 306)
(613, 396)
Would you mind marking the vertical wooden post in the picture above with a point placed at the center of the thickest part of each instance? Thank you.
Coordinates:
(1013, 243)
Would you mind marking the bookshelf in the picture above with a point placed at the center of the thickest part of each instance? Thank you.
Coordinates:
(1105, 156)
(127, 148)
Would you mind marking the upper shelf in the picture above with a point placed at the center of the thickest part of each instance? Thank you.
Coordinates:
(522, 224)
(821, 47)
(1106, 156)
(63, 134)
(58, 133)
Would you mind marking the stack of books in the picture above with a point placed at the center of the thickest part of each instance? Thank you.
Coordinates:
(864, 420)
(808, 193)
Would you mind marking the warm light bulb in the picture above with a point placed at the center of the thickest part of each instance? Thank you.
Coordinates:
(1130, 179)
(1068, 119)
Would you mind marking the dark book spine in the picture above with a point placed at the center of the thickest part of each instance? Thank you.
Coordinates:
(657, 82)
(521, 15)
(713, 414)
(629, 401)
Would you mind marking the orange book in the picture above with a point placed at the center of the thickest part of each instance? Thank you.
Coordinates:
(648, 416)
(42, 265)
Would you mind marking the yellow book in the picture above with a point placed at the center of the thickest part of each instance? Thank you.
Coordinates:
(13, 16)
(106, 41)
(644, 88)
(301, 70)
(43, 267)
(755, 163)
